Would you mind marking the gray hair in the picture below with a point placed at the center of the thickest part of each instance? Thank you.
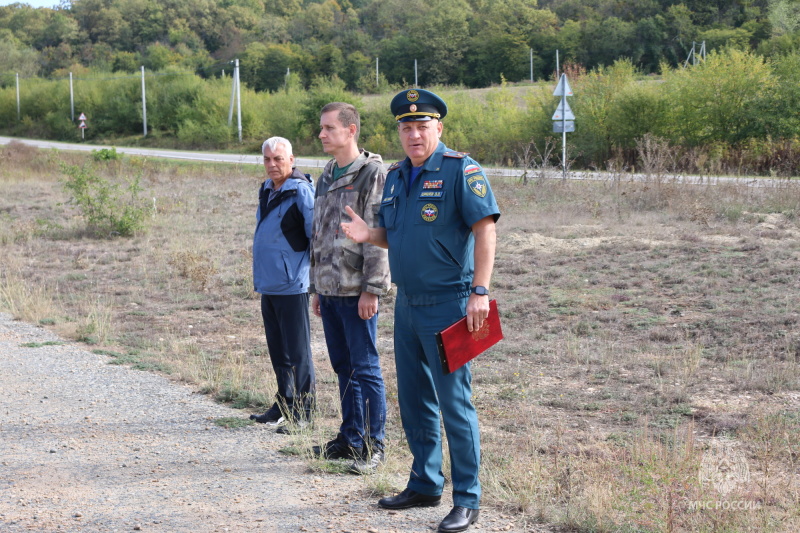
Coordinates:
(273, 143)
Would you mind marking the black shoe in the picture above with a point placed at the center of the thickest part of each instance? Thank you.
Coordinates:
(409, 498)
(272, 416)
(337, 449)
(459, 519)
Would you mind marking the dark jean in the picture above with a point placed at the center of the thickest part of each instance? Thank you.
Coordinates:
(354, 357)
(288, 331)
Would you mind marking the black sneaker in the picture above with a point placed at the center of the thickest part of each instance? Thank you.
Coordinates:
(273, 416)
(337, 449)
(293, 428)
(371, 458)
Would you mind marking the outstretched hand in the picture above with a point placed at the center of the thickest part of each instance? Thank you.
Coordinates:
(356, 230)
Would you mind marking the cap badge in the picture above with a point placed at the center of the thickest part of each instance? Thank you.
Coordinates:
(413, 108)
(412, 96)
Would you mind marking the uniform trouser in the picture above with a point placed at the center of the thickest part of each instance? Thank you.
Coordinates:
(424, 390)
(288, 331)
(354, 357)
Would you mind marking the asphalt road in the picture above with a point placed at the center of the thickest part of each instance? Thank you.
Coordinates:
(248, 159)
(255, 159)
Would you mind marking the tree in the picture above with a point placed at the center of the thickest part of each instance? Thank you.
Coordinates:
(784, 15)
(264, 67)
(727, 98)
(17, 58)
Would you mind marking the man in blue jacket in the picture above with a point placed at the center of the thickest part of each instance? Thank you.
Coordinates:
(280, 274)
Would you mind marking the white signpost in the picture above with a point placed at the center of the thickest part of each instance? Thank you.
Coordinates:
(82, 125)
(563, 118)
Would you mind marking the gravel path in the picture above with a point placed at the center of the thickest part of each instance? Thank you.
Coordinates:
(89, 446)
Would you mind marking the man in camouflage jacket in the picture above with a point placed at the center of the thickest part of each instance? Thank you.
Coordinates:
(347, 280)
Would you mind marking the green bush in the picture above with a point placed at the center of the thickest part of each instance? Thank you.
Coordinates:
(106, 154)
(727, 98)
(108, 210)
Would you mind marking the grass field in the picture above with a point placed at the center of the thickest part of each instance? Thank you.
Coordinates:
(650, 375)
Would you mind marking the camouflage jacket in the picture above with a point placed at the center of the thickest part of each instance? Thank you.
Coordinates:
(340, 267)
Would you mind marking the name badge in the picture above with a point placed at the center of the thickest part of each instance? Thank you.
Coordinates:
(431, 194)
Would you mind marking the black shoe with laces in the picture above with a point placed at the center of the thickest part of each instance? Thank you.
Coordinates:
(337, 449)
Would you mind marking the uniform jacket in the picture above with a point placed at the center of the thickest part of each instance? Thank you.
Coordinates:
(340, 267)
(429, 226)
(282, 238)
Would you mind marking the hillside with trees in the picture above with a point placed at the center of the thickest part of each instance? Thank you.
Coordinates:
(473, 43)
(736, 111)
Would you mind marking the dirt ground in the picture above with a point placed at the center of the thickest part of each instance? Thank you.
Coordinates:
(88, 446)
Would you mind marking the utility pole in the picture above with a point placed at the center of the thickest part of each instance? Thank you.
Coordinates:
(71, 100)
(19, 116)
(144, 104)
(531, 65)
(239, 100)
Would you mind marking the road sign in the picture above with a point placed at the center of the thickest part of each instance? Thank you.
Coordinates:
(563, 111)
(563, 118)
(82, 117)
(83, 125)
(563, 88)
(563, 126)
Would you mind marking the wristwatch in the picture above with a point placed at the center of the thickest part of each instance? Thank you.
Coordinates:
(480, 290)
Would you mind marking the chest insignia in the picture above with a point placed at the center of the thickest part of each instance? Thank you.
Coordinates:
(477, 184)
(429, 212)
(432, 184)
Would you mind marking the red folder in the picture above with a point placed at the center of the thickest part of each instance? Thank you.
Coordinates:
(458, 346)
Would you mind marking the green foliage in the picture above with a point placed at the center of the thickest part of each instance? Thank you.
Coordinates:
(455, 41)
(601, 92)
(728, 98)
(323, 91)
(106, 154)
(107, 209)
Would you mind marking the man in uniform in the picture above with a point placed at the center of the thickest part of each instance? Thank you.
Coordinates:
(437, 218)
(280, 274)
(347, 280)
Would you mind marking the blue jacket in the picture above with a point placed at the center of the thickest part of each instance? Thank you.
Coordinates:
(282, 237)
(429, 224)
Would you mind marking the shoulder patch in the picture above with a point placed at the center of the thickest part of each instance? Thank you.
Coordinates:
(458, 155)
(394, 166)
(472, 169)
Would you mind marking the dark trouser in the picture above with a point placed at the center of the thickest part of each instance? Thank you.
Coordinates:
(354, 358)
(286, 324)
(424, 391)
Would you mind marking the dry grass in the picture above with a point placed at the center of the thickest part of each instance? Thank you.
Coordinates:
(645, 322)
